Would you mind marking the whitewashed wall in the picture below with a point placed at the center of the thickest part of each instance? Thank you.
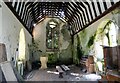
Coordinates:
(9, 32)
(98, 52)
(0, 21)
(39, 33)
(90, 31)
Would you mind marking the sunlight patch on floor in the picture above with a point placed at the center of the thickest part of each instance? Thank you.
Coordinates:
(92, 77)
(75, 74)
(53, 72)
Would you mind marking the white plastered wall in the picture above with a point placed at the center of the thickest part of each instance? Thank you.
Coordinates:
(0, 20)
(10, 28)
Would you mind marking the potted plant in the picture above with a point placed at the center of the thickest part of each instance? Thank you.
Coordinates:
(34, 49)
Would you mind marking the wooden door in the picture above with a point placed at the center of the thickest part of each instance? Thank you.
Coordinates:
(108, 57)
(118, 52)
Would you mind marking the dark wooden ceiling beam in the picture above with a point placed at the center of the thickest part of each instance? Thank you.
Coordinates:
(81, 3)
(22, 8)
(75, 20)
(94, 9)
(26, 14)
(75, 12)
(98, 4)
(105, 5)
(70, 28)
(80, 8)
(72, 13)
(67, 15)
(89, 9)
(80, 16)
(112, 2)
(15, 6)
(78, 21)
(36, 11)
(100, 16)
(17, 16)
(58, 9)
(74, 23)
(19, 7)
(33, 14)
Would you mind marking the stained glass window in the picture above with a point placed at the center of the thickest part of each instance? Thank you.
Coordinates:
(52, 36)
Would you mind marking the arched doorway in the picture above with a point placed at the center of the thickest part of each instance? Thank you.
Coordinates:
(106, 35)
(21, 45)
(21, 57)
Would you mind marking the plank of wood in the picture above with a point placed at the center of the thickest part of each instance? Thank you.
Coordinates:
(59, 69)
(65, 67)
(8, 71)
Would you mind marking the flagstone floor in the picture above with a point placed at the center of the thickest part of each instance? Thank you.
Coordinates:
(50, 74)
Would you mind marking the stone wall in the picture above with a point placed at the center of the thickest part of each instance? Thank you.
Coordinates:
(89, 43)
(64, 54)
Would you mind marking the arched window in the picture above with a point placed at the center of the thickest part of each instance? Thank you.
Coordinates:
(52, 36)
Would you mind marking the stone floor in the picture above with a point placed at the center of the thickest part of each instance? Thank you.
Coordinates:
(50, 74)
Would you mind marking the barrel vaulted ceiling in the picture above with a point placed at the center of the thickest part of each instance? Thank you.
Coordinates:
(79, 14)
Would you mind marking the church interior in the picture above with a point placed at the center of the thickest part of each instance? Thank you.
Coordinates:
(60, 41)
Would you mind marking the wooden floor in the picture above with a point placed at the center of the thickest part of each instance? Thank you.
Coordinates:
(50, 74)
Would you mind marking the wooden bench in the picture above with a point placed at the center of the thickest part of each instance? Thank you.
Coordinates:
(59, 69)
(65, 68)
